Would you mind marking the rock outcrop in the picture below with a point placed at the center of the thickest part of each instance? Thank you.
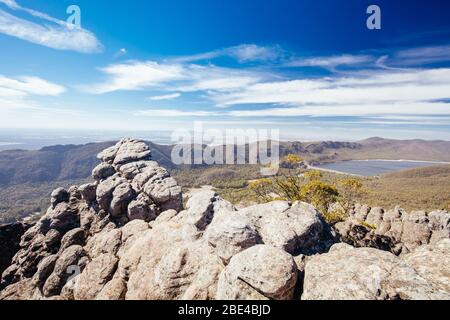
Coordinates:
(10, 235)
(370, 274)
(127, 236)
(395, 230)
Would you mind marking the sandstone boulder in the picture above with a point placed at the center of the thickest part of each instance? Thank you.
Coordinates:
(348, 273)
(394, 230)
(103, 171)
(230, 235)
(59, 195)
(260, 272)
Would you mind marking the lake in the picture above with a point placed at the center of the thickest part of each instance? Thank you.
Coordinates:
(374, 167)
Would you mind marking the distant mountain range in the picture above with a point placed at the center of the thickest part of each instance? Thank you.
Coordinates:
(59, 163)
(27, 177)
(69, 162)
(372, 148)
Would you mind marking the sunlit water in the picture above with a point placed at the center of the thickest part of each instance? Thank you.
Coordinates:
(374, 167)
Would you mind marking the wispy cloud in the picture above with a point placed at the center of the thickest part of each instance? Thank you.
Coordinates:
(242, 53)
(330, 61)
(401, 111)
(59, 36)
(14, 92)
(136, 75)
(251, 52)
(218, 79)
(121, 52)
(10, 3)
(424, 55)
(139, 75)
(379, 94)
(369, 89)
(414, 57)
(31, 86)
(165, 97)
(172, 113)
(406, 109)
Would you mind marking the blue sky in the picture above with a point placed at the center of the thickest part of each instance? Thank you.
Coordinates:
(309, 68)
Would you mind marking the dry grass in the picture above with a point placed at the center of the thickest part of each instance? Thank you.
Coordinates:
(415, 189)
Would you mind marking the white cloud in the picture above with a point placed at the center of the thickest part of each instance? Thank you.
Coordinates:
(242, 53)
(136, 75)
(14, 92)
(10, 3)
(362, 93)
(165, 97)
(121, 52)
(59, 36)
(172, 113)
(31, 85)
(330, 61)
(423, 55)
(251, 52)
(387, 87)
(139, 75)
(412, 57)
(204, 78)
(358, 110)
(405, 111)
(23, 86)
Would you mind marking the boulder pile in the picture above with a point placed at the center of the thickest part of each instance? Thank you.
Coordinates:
(128, 236)
(10, 235)
(394, 230)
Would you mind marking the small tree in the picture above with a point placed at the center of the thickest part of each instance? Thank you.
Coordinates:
(288, 187)
(293, 186)
(313, 175)
(350, 189)
(319, 194)
(288, 183)
(262, 187)
(291, 161)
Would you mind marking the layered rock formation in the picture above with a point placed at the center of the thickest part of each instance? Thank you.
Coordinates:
(370, 274)
(127, 236)
(395, 230)
(10, 235)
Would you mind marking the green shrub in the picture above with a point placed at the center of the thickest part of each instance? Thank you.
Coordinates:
(334, 216)
(320, 194)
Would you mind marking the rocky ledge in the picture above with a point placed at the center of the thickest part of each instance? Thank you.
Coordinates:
(127, 236)
(394, 230)
(10, 235)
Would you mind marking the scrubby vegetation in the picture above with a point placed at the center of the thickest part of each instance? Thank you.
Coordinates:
(28, 177)
(28, 200)
(218, 176)
(446, 206)
(299, 184)
(416, 189)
